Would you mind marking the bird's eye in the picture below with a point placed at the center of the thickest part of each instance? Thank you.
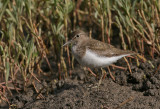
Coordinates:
(77, 35)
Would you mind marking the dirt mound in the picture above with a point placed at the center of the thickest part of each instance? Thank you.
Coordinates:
(141, 89)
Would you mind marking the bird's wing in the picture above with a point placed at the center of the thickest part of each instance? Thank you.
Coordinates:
(104, 49)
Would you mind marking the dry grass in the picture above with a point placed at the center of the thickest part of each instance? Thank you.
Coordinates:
(28, 28)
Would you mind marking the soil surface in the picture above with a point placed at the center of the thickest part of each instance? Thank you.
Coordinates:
(137, 90)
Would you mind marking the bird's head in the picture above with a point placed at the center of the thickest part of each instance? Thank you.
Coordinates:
(77, 37)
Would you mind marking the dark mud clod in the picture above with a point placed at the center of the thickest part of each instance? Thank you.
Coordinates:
(60, 84)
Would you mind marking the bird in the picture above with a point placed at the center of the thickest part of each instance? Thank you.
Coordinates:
(93, 53)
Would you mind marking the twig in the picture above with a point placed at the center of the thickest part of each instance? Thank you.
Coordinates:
(15, 86)
(120, 67)
(4, 98)
(39, 94)
(111, 74)
(158, 68)
(35, 77)
(102, 27)
(59, 71)
(124, 102)
(141, 57)
(49, 64)
(128, 65)
(12, 88)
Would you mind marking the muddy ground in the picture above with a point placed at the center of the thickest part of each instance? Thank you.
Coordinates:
(139, 90)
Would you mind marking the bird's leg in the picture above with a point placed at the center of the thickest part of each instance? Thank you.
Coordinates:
(91, 72)
(100, 81)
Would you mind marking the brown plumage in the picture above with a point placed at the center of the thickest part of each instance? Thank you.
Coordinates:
(93, 53)
(101, 48)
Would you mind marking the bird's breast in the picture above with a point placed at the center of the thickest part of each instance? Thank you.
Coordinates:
(78, 53)
(74, 50)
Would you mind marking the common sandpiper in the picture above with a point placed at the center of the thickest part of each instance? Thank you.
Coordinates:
(94, 53)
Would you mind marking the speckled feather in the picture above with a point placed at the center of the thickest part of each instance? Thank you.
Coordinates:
(93, 53)
(101, 48)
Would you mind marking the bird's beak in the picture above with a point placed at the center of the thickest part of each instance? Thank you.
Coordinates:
(67, 43)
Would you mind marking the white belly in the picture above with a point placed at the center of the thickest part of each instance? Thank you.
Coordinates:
(91, 59)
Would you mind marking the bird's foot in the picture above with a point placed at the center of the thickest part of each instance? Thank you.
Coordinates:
(95, 86)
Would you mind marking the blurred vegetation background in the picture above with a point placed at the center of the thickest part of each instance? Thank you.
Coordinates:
(32, 30)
